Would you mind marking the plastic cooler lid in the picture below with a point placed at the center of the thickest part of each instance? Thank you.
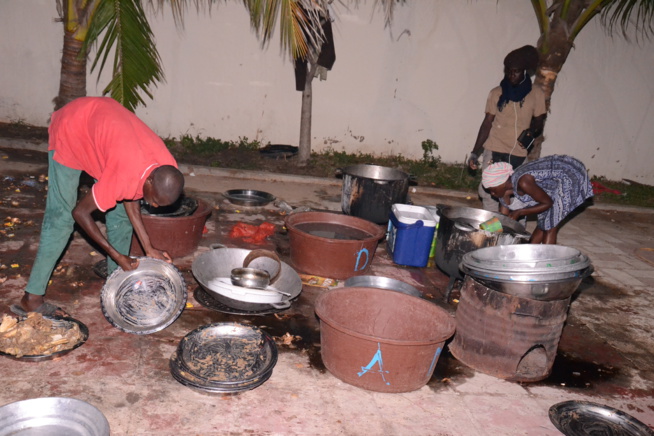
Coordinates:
(409, 214)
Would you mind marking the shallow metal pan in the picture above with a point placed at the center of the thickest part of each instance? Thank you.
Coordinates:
(582, 418)
(382, 283)
(248, 197)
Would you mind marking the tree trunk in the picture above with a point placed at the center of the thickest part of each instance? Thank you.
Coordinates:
(72, 82)
(554, 50)
(304, 152)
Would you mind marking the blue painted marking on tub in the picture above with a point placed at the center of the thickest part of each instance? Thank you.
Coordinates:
(376, 359)
(433, 361)
(356, 265)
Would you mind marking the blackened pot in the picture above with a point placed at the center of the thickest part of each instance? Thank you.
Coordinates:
(369, 191)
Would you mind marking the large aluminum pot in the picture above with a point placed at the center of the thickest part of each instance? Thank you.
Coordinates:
(369, 191)
(459, 233)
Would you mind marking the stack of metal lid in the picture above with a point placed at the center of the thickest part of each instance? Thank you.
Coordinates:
(525, 262)
(540, 272)
(224, 357)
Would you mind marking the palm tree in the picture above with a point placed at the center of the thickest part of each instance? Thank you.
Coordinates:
(136, 62)
(561, 21)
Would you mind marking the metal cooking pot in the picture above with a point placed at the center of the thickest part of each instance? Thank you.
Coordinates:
(369, 191)
(459, 233)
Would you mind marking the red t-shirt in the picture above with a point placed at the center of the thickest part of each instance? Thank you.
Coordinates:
(99, 136)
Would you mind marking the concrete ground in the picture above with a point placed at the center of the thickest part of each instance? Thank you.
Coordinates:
(606, 352)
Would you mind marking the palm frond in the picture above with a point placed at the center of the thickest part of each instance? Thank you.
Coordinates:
(299, 21)
(136, 64)
(626, 14)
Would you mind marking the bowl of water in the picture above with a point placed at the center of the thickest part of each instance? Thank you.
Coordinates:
(332, 245)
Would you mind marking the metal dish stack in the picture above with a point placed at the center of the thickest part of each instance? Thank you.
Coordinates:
(538, 272)
(224, 358)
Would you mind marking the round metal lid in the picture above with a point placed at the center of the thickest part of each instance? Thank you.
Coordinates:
(528, 258)
(583, 418)
(145, 300)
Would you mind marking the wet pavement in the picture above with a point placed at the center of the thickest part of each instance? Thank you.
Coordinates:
(606, 352)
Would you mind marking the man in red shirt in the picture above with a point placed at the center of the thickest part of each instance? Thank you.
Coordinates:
(128, 161)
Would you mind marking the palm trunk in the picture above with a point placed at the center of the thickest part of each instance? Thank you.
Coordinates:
(554, 49)
(304, 152)
(72, 83)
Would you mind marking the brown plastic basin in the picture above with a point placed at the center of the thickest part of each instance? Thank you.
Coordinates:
(179, 236)
(379, 340)
(329, 257)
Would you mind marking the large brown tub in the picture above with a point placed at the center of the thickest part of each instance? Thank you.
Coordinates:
(332, 245)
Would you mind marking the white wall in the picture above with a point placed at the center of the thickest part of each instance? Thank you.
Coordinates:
(425, 78)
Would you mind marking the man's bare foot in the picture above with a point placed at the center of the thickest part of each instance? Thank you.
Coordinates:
(31, 302)
(36, 303)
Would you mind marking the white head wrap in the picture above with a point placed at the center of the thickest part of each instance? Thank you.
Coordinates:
(496, 174)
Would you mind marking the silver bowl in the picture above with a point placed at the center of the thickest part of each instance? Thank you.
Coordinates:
(52, 416)
(145, 300)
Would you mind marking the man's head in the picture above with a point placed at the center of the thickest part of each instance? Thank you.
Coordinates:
(520, 62)
(163, 186)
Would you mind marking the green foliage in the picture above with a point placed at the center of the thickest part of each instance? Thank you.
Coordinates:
(127, 34)
(187, 144)
(428, 147)
(631, 193)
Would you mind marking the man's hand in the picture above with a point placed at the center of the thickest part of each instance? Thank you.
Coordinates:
(127, 263)
(473, 162)
(158, 254)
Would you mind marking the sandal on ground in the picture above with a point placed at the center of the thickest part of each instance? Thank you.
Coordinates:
(46, 309)
(101, 269)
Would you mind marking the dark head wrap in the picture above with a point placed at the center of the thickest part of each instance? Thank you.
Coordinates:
(523, 58)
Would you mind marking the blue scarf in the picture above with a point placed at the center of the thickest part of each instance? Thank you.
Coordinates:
(513, 93)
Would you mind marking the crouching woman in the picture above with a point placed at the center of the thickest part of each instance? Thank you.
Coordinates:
(551, 187)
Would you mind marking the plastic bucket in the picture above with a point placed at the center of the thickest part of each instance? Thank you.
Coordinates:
(379, 340)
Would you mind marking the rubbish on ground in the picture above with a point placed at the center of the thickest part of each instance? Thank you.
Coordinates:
(322, 282)
(251, 233)
(598, 189)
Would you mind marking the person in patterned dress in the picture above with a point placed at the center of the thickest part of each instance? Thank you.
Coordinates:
(551, 187)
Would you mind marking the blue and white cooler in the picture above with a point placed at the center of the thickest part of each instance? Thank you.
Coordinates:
(410, 234)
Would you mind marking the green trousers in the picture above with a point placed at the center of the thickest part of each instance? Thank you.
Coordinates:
(58, 225)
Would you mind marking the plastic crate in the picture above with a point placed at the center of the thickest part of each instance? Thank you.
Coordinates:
(410, 234)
